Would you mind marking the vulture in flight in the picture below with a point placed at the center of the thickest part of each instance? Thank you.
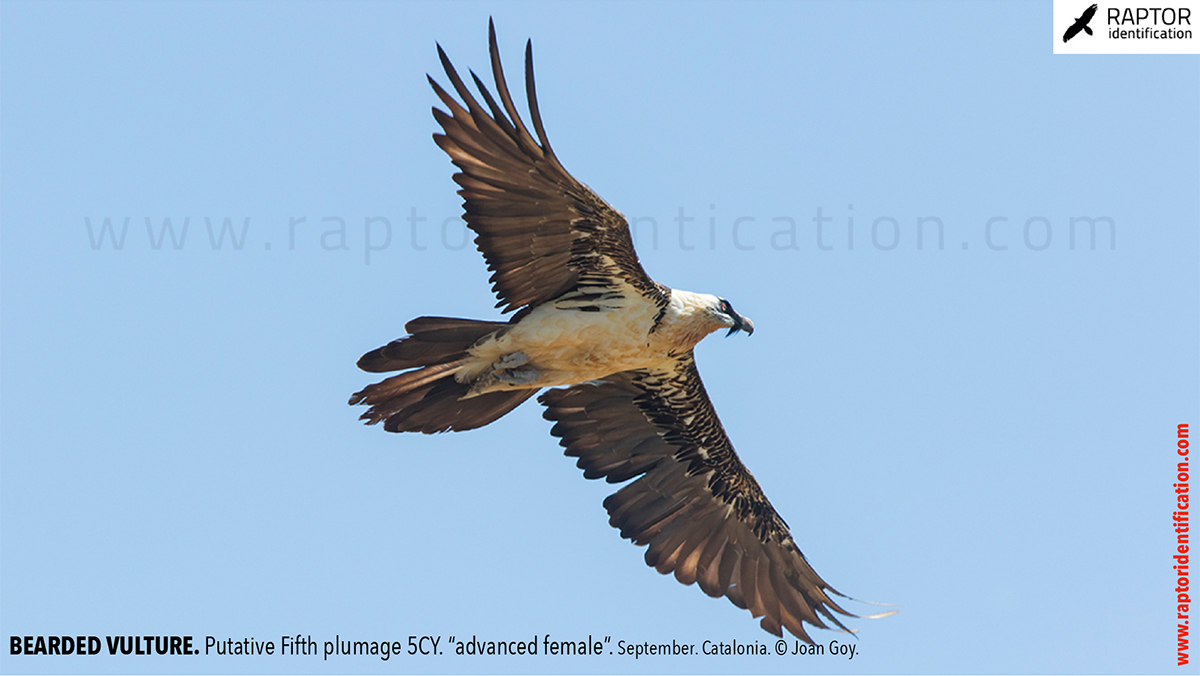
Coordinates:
(1081, 24)
(615, 345)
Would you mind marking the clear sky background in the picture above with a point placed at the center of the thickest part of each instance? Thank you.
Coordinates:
(981, 435)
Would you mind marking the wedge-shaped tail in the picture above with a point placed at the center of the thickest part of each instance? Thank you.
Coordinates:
(426, 397)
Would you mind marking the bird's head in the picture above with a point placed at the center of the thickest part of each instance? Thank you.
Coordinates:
(692, 316)
(724, 313)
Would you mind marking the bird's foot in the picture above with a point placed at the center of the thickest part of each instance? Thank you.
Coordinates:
(509, 372)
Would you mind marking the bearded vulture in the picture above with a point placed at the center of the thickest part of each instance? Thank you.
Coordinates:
(618, 345)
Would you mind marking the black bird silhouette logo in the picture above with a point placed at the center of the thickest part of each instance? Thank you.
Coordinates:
(1081, 24)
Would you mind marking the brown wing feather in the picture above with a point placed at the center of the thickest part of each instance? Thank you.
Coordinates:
(541, 231)
(696, 506)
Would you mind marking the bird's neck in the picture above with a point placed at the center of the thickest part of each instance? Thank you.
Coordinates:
(687, 319)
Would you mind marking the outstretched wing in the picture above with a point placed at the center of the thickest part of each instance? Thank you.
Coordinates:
(1072, 31)
(1087, 15)
(694, 503)
(542, 232)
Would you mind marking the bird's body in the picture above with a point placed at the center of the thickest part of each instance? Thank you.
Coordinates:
(565, 341)
(617, 346)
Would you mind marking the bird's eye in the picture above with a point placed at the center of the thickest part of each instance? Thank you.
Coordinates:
(726, 307)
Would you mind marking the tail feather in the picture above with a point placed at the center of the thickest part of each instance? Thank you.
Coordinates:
(392, 394)
(429, 398)
(443, 408)
(432, 340)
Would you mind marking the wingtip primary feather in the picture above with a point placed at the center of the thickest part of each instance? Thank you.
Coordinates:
(535, 114)
(522, 134)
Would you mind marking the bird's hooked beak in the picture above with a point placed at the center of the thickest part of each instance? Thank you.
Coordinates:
(740, 323)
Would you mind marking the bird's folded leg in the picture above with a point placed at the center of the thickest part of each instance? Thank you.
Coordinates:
(510, 372)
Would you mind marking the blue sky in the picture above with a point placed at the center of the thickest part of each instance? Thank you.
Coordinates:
(978, 427)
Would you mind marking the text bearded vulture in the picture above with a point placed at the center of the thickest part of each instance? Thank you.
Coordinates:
(589, 321)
